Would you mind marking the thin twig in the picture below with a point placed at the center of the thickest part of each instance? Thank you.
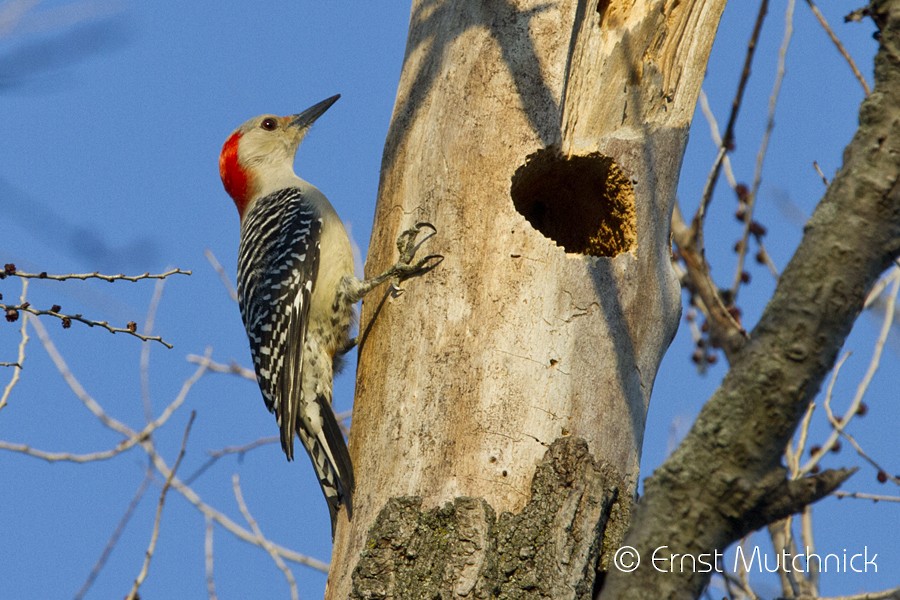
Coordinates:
(343, 420)
(67, 319)
(809, 545)
(117, 533)
(239, 532)
(728, 139)
(145, 568)
(217, 367)
(793, 456)
(217, 267)
(215, 455)
(149, 322)
(750, 203)
(75, 385)
(94, 275)
(133, 438)
(837, 43)
(782, 536)
(877, 290)
(864, 496)
(20, 359)
(821, 174)
(865, 456)
(839, 425)
(266, 544)
(743, 576)
(763, 254)
(725, 331)
(65, 456)
(208, 560)
(796, 470)
(717, 138)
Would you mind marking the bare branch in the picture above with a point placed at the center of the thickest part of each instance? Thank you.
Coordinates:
(66, 456)
(840, 425)
(728, 139)
(865, 496)
(75, 385)
(208, 560)
(245, 448)
(142, 575)
(343, 420)
(130, 329)
(743, 575)
(809, 541)
(725, 331)
(837, 43)
(809, 466)
(117, 533)
(215, 455)
(793, 456)
(820, 173)
(216, 367)
(716, 136)
(191, 496)
(750, 204)
(762, 255)
(265, 543)
(20, 360)
(782, 538)
(217, 267)
(132, 438)
(12, 272)
(149, 321)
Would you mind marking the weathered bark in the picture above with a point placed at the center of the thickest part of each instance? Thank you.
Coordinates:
(462, 549)
(516, 122)
(726, 478)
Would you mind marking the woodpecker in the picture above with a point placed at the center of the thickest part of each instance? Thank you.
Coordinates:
(297, 290)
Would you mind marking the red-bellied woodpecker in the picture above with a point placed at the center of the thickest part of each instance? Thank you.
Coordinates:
(296, 288)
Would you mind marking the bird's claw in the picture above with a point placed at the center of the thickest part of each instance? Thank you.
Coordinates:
(407, 244)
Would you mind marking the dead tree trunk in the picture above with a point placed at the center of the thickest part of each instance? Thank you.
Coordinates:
(501, 399)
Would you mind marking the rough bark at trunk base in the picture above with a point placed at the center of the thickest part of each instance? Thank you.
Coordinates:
(551, 549)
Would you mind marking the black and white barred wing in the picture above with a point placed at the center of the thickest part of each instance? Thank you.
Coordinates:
(277, 265)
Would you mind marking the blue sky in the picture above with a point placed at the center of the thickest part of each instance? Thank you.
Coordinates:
(110, 143)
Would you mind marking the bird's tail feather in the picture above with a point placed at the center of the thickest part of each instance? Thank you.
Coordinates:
(331, 461)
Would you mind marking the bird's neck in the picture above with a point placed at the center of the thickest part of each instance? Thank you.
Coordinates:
(267, 181)
(245, 183)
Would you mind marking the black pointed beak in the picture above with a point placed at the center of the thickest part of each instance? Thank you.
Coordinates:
(308, 116)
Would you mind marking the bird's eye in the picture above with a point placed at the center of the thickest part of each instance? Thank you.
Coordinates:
(269, 124)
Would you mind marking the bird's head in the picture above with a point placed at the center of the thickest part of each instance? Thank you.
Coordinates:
(258, 157)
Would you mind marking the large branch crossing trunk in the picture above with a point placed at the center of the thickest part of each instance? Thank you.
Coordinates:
(501, 399)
